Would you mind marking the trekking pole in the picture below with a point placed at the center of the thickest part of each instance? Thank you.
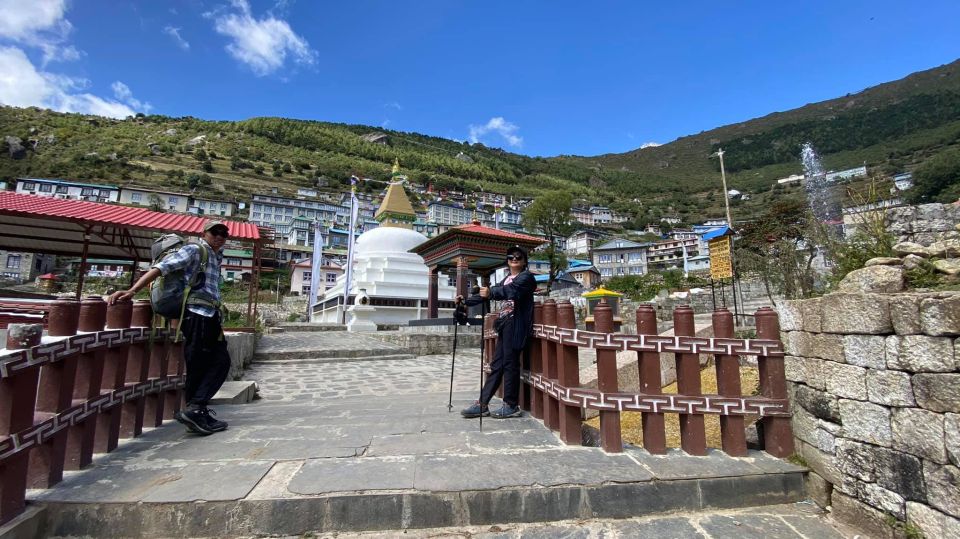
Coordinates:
(453, 362)
(483, 325)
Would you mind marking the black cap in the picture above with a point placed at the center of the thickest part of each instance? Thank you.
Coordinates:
(516, 249)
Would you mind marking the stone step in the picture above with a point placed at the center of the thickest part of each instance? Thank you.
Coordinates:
(294, 327)
(339, 359)
(402, 509)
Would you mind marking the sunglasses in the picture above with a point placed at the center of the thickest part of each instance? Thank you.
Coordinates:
(515, 258)
(221, 233)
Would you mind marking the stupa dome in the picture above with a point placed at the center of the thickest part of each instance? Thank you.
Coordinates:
(388, 240)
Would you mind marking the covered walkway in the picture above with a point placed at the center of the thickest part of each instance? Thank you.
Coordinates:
(36, 224)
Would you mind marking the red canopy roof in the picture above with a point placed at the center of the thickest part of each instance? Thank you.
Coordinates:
(57, 226)
(482, 246)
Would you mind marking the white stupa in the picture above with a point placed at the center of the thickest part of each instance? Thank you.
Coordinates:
(389, 283)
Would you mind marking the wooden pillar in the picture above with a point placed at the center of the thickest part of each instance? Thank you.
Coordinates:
(693, 437)
(155, 357)
(551, 409)
(54, 396)
(732, 436)
(462, 270)
(18, 394)
(433, 291)
(83, 263)
(610, 439)
(114, 376)
(138, 365)
(536, 363)
(80, 437)
(651, 383)
(176, 366)
(777, 433)
(568, 375)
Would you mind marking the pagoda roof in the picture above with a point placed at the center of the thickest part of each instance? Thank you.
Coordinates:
(484, 247)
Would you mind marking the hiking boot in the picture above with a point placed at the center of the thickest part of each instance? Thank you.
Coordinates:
(475, 410)
(194, 421)
(212, 424)
(506, 411)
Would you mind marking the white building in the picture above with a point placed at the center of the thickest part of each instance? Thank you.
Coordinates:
(448, 214)
(301, 276)
(68, 190)
(791, 179)
(165, 200)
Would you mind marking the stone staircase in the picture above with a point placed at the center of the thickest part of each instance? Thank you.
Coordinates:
(324, 347)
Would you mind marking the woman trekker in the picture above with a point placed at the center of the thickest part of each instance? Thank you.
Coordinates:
(513, 325)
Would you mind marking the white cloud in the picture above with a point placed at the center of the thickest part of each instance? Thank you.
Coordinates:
(650, 145)
(40, 24)
(175, 34)
(500, 126)
(22, 85)
(392, 105)
(123, 94)
(262, 44)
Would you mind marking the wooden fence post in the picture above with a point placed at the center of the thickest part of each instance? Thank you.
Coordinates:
(777, 433)
(176, 366)
(80, 437)
(54, 395)
(610, 438)
(155, 359)
(651, 383)
(114, 376)
(732, 437)
(568, 375)
(138, 366)
(551, 409)
(18, 395)
(536, 363)
(693, 437)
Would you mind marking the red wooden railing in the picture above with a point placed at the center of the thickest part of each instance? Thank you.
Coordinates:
(552, 391)
(101, 374)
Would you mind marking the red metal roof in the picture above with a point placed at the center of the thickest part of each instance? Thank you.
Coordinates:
(477, 228)
(98, 213)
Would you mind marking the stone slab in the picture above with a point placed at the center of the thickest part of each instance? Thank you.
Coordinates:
(235, 393)
(747, 527)
(320, 476)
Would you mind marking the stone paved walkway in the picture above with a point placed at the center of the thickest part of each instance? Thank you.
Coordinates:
(369, 445)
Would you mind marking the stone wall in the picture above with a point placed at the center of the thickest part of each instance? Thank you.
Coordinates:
(875, 389)
(924, 224)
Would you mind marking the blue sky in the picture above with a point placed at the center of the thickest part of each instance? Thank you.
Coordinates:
(539, 78)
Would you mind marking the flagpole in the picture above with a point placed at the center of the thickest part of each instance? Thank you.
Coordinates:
(315, 264)
(349, 272)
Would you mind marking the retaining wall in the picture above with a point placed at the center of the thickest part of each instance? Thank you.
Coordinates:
(875, 388)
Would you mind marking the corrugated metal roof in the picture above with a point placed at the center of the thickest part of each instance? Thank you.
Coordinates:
(98, 213)
(487, 231)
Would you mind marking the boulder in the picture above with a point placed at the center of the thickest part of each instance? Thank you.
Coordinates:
(948, 248)
(911, 262)
(905, 248)
(199, 139)
(170, 132)
(884, 261)
(950, 266)
(877, 278)
(15, 147)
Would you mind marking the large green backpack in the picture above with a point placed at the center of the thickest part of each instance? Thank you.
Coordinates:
(169, 293)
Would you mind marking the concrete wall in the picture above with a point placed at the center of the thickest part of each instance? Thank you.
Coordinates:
(875, 389)
(241, 347)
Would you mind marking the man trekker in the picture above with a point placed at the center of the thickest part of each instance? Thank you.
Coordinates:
(205, 348)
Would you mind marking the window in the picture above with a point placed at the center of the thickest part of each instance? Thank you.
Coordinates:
(331, 278)
(636, 270)
(136, 197)
(230, 275)
(606, 258)
(11, 275)
(606, 272)
(173, 201)
(621, 271)
(29, 186)
(289, 211)
(13, 261)
(86, 192)
(61, 190)
(636, 257)
(305, 289)
(46, 188)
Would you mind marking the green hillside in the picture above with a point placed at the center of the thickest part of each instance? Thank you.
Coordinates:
(891, 127)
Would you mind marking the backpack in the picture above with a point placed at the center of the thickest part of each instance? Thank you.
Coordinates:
(169, 293)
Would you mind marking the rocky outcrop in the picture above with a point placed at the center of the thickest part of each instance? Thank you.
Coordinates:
(875, 278)
(15, 147)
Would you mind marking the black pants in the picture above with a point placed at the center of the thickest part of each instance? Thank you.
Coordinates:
(505, 367)
(205, 352)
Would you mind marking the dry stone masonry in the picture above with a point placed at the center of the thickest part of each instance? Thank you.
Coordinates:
(875, 386)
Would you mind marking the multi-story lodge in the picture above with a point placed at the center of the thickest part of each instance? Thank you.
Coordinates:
(669, 254)
(68, 190)
(620, 257)
(23, 267)
(582, 242)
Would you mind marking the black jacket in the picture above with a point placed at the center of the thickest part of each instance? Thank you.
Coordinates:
(520, 290)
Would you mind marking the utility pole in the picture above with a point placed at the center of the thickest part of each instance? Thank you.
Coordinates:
(726, 195)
